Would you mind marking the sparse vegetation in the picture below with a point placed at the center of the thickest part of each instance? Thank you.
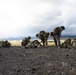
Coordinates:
(15, 42)
(18, 42)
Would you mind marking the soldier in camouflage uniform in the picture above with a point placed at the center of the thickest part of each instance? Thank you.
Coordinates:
(46, 35)
(34, 44)
(57, 34)
(5, 44)
(43, 36)
(67, 44)
(74, 43)
(40, 36)
(25, 41)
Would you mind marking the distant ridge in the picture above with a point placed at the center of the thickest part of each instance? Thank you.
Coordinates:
(20, 38)
(16, 38)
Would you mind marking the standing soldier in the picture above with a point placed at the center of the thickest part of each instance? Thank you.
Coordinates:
(43, 36)
(46, 35)
(57, 34)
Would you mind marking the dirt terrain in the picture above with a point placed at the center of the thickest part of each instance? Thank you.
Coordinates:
(51, 60)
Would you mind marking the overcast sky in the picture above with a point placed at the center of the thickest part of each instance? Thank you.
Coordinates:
(27, 17)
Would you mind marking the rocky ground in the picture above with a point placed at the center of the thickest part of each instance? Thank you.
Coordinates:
(38, 61)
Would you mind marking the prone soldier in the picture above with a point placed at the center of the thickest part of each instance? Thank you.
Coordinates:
(34, 44)
(5, 44)
(67, 44)
(74, 43)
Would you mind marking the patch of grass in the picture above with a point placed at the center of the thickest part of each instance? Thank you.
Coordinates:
(51, 42)
(18, 42)
(15, 42)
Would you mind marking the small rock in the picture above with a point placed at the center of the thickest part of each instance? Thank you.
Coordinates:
(1, 74)
(70, 59)
(18, 70)
(49, 64)
(48, 72)
(70, 51)
(59, 47)
(0, 54)
(53, 69)
(20, 55)
(24, 55)
(67, 54)
(64, 64)
(75, 51)
(34, 69)
(73, 68)
(11, 73)
(63, 73)
(56, 61)
(28, 69)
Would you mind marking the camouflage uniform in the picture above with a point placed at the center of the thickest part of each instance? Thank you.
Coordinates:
(25, 41)
(67, 43)
(34, 44)
(5, 44)
(46, 35)
(43, 36)
(57, 34)
(74, 43)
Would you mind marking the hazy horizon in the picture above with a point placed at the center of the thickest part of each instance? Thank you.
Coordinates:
(27, 17)
(36, 38)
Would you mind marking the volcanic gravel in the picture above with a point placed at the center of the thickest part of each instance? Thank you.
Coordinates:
(37, 61)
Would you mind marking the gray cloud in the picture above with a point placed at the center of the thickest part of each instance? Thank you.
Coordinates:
(23, 18)
(62, 13)
(50, 20)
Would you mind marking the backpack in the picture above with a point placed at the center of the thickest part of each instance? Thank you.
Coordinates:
(56, 31)
(42, 33)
